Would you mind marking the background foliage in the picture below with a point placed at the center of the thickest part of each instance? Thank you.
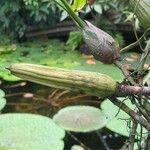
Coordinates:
(29, 13)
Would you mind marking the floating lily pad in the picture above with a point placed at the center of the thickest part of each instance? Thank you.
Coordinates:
(29, 132)
(77, 147)
(80, 118)
(2, 99)
(117, 119)
(2, 103)
(2, 93)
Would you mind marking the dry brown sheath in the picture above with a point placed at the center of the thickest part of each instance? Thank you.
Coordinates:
(102, 46)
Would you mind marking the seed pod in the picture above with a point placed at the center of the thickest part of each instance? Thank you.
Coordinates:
(102, 46)
(142, 11)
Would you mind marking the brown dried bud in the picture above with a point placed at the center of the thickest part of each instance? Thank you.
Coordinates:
(91, 2)
(102, 46)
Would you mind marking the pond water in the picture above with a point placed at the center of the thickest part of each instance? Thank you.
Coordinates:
(23, 96)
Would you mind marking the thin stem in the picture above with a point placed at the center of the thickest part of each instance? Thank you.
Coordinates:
(127, 90)
(76, 139)
(130, 112)
(73, 15)
(102, 140)
(144, 57)
(60, 5)
(127, 76)
(14, 94)
(132, 45)
(132, 135)
(147, 147)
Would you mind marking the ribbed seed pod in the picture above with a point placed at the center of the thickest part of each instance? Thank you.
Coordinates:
(102, 46)
(142, 11)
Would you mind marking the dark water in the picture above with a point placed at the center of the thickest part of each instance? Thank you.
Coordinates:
(100, 140)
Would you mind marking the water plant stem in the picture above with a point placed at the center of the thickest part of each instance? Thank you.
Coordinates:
(73, 15)
(130, 112)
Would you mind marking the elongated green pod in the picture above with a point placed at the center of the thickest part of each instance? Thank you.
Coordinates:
(93, 83)
(142, 11)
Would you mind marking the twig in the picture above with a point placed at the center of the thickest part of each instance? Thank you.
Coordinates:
(132, 135)
(125, 73)
(144, 56)
(129, 144)
(102, 140)
(76, 139)
(18, 104)
(132, 45)
(130, 112)
(141, 109)
(127, 90)
(14, 94)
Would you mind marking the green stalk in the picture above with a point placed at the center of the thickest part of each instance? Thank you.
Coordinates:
(60, 5)
(73, 15)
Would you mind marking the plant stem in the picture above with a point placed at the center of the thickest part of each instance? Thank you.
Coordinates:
(144, 57)
(77, 140)
(132, 45)
(73, 15)
(131, 139)
(125, 72)
(130, 112)
(127, 90)
(102, 140)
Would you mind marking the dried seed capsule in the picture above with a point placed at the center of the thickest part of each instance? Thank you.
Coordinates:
(102, 46)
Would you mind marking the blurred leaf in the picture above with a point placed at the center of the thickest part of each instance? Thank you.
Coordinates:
(2, 103)
(47, 52)
(63, 16)
(98, 8)
(74, 40)
(78, 4)
(80, 118)
(2, 99)
(77, 147)
(2, 93)
(29, 132)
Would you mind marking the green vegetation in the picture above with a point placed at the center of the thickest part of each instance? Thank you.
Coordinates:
(122, 91)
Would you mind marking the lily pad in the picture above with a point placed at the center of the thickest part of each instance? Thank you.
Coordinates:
(80, 118)
(2, 103)
(29, 132)
(77, 147)
(118, 119)
(2, 93)
(2, 99)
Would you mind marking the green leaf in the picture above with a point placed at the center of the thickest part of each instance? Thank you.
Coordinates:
(77, 147)
(29, 132)
(2, 103)
(98, 8)
(2, 93)
(2, 99)
(78, 4)
(118, 123)
(80, 118)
